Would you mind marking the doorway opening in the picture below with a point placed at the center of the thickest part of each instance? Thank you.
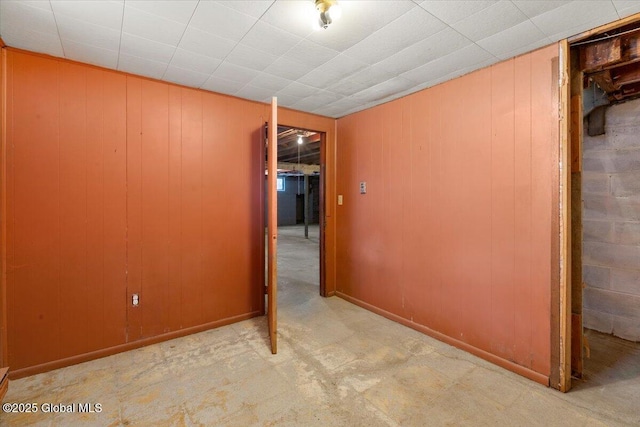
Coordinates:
(300, 207)
(605, 203)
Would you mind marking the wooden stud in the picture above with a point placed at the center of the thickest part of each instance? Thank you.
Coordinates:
(565, 225)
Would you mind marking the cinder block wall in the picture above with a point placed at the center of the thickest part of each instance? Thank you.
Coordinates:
(611, 195)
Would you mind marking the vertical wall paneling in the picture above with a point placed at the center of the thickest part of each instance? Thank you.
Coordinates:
(134, 207)
(34, 240)
(154, 209)
(471, 212)
(73, 204)
(3, 205)
(522, 321)
(118, 185)
(107, 112)
(503, 210)
(174, 212)
(191, 202)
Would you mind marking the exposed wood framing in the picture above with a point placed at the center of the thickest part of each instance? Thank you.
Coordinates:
(295, 167)
(565, 224)
(614, 64)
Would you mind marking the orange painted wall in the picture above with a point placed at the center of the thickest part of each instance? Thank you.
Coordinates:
(455, 234)
(120, 185)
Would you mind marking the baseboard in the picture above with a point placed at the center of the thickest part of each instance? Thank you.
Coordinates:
(4, 382)
(503, 363)
(85, 357)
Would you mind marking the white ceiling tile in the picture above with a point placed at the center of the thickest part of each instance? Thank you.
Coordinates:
(88, 34)
(439, 44)
(90, 54)
(321, 77)
(270, 39)
(141, 66)
(235, 73)
(194, 61)
(255, 8)
(198, 41)
(524, 49)
(251, 58)
(367, 14)
(378, 50)
(311, 53)
(533, 8)
(216, 84)
(295, 17)
(308, 104)
(511, 39)
(339, 36)
(288, 69)
(214, 18)
(184, 77)
(175, 10)
(255, 93)
(333, 112)
(415, 25)
(348, 86)
(452, 11)
(104, 13)
(368, 77)
(491, 20)
(298, 89)
(385, 89)
(626, 7)
(25, 38)
(270, 82)
(40, 4)
(15, 15)
(144, 48)
(574, 17)
(345, 65)
(287, 100)
(152, 27)
(462, 58)
(319, 99)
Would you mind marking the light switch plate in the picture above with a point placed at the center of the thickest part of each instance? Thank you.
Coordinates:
(339, 199)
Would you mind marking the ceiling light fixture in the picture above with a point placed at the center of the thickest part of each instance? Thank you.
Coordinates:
(328, 12)
(299, 139)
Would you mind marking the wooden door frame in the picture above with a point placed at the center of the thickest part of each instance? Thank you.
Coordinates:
(322, 219)
(272, 226)
(564, 300)
(571, 137)
(323, 208)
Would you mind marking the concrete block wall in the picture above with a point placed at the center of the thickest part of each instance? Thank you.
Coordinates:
(611, 215)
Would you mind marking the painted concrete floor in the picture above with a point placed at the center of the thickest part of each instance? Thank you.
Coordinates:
(337, 365)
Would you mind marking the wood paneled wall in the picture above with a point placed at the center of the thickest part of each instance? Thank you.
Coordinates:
(120, 185)
(454, 236)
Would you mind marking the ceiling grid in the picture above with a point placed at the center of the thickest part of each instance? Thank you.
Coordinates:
(378, 51)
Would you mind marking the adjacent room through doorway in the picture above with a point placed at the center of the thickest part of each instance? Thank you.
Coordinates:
(299, 212)
(605, 167)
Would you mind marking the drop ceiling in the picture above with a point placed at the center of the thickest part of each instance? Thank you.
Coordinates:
(378, 51)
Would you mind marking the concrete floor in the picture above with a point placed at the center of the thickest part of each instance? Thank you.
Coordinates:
(337, 365)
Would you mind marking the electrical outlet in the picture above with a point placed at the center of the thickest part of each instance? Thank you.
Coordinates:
(135, 300)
